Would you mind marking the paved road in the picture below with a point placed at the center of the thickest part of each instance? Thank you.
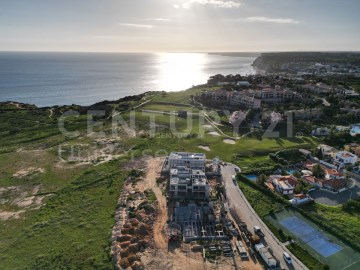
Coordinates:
(238, 202)
(333, 199)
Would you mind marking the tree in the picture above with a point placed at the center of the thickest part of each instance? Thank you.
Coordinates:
(318, 171)
(318, 153)
(261, 179)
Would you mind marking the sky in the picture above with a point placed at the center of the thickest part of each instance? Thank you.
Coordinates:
(179, 25)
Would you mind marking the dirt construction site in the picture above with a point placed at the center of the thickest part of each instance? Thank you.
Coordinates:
(140, 239)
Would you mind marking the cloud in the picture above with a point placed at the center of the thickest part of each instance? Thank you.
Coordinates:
(133, 25)
(158, 19)
(270, 20)
(215, 3)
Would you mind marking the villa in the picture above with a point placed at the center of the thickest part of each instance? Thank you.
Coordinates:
(353, 147)
(355, 130)
(327, 150)
(343, 158)
(284, 184)
(243, 84)
(321, 131)
(300, 199)
(335, 184)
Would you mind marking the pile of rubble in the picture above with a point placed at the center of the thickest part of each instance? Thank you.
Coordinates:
(133, 228)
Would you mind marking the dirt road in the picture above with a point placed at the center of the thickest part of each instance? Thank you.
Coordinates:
(153, 167)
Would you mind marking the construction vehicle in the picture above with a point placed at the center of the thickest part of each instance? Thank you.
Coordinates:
(242, 251)
(258, 231)
(268, 259)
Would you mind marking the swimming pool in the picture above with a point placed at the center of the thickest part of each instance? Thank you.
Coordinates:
(251, 177)
(291, 171)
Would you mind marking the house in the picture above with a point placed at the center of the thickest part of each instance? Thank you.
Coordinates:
(243, 84)
(322, 88)
(327, 150)
(347, 92)
(355, 130)
(283, 184)
(321, 131)
(331, 173)
(271, 117)
(353, 147)
(335, 184)
(312, 180)
(238, 117)
(245, 99)
(307, 114)
(305, 152)
(343, 158)
(299, 199)
(277, 95)
(342, 128)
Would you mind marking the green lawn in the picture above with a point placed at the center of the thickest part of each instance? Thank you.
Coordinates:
(183, 96)
(168, 108)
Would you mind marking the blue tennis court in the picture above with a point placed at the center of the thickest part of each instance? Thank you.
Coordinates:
(311, 236)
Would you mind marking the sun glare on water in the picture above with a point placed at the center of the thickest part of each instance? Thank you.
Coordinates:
(179, 71)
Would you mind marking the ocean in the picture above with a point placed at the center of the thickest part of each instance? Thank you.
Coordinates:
(47, 79)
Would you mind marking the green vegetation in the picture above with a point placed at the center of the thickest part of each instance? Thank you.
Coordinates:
(258, 197)
(288, 156)
(306, 258)
(333, 220)
(71, 227)
(150, 195)
(72, 230)
(272, 62)
(343, 224)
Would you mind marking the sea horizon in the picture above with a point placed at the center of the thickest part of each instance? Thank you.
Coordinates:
(65, 78)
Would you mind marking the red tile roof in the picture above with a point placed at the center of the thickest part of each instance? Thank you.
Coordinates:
(335, 183)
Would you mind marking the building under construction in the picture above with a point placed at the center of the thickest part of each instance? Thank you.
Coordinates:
(192, 215)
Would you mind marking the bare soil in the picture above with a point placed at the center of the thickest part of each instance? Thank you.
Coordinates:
(176, 256)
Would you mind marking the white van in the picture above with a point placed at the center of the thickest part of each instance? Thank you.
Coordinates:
(287, 258)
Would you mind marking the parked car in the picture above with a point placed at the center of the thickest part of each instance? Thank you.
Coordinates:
(287, 258)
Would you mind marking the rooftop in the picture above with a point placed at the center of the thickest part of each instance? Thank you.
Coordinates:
(185, 155)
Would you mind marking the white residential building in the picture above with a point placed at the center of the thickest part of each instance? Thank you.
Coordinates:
(243, 83)
(187, 176)
(300, 199)
(343, 158)
(327, 150)
(283, 184)
(190, 160)
(249, 101)
(355, 130)
(320, 131)
(186, 183)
